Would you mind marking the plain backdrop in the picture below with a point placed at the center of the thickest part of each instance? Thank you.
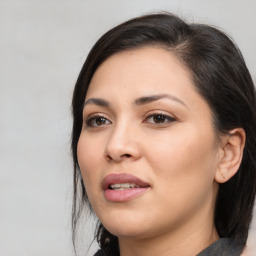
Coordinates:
(43, 45)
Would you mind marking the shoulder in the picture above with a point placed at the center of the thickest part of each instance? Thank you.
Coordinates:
(98, 253)
(223, 247)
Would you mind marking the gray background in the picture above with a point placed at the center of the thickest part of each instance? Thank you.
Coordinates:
(43, 45)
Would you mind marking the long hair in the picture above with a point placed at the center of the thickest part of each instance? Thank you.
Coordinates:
(219, 74)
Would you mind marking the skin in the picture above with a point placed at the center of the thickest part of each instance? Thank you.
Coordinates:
(179, 157)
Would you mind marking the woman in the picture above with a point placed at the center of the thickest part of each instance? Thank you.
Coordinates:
(164, 140)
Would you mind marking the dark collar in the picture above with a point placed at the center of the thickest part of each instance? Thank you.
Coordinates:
(222, 247)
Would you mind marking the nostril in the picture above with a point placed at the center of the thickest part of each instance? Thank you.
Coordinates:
(108, 157)
(126, 155)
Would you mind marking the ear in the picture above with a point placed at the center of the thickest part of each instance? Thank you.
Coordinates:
(232, 146)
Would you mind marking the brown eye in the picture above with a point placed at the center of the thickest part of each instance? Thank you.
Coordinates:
(97, 121)
(160, 119)
(100, 120)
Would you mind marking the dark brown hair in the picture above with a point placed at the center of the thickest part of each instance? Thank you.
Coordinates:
(219, 74)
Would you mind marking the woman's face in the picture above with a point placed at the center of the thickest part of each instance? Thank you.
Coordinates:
(147, 149)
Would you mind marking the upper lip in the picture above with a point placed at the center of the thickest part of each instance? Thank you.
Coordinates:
(119, 178)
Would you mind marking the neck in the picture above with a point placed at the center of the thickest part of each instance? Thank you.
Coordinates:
(185, 242)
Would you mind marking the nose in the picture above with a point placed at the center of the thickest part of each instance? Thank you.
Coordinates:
(123, 144)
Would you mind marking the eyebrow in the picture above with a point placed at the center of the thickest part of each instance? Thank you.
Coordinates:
(152, 98)
(140, 101)
(97, 101)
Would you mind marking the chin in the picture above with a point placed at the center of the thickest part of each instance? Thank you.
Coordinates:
(125, 225)
(128, 231)
(131, 229)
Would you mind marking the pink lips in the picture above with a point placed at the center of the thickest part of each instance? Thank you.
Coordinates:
(126, 194)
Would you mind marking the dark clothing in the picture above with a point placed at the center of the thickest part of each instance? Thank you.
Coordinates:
(222, 247)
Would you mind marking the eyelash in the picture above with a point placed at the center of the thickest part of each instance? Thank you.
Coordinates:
(94, 118)
(163, 120)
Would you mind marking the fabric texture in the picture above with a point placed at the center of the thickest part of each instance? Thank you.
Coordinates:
(222, 247)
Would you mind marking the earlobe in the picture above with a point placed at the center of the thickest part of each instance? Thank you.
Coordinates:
(232, 146)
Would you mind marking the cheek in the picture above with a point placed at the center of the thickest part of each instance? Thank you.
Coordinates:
(185, 156)
(88, 160)
(183, 173)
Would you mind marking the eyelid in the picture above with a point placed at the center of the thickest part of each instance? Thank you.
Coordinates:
(170, 117)
(93, 114)
(160, 112)
(90, 117)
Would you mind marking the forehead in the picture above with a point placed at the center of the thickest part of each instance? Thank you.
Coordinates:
(149, 68)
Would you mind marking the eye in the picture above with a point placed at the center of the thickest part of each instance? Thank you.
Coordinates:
(159, 118)
(97, 121)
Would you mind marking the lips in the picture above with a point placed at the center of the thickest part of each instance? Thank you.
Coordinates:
(123, 187)
(122, 178)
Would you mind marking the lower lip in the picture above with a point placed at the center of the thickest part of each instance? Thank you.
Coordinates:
(123, 195)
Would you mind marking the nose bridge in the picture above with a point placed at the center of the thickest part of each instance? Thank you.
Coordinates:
(122, 141)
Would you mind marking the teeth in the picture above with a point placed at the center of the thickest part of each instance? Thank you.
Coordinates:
(123, 186)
